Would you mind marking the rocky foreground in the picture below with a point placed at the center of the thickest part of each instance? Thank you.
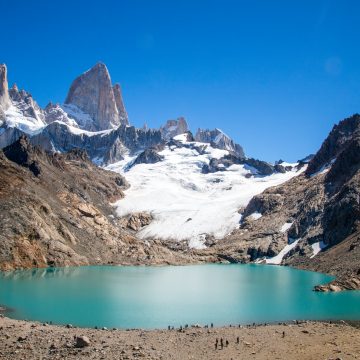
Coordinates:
(308, 340)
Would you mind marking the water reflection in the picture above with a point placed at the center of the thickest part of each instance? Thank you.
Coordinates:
(154, 297)
(66, 272)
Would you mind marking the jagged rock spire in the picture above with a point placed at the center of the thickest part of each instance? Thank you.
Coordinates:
(123, 116)
(4, 88)
(92, 93)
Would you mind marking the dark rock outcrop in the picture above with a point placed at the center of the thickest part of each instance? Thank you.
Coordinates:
(339, 136)
(148, 156)
(258, 167)
(8, 135)
(24, 154)
(219, 140)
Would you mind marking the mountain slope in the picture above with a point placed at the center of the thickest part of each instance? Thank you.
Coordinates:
(54, 209)
(314, 217)
(186, 203)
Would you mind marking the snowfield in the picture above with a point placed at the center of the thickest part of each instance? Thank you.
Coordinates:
(185, 203)
(27, 124)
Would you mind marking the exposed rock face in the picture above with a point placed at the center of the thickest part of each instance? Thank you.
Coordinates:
(148, 156)
(137, 220)
(173, 128)
(93, 94)
(123, 116)
(22, 153)
(54, 112)
(4, 94)
(219, 140)
(8, 135)
(24, 102)
(259, 167)
(339, 136)
(60, 217)
(103, 148)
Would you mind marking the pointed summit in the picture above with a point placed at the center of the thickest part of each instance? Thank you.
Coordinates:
(4, 88)
(93, 94)
(123, 116)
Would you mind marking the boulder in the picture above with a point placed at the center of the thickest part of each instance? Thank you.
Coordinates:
(82, 341)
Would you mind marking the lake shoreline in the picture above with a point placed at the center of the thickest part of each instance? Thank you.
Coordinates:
(303, 340)
(339, 283)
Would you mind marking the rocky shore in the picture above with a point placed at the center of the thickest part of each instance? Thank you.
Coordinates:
(304, 340)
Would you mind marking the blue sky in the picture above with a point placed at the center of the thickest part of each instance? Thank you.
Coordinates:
(274, 75)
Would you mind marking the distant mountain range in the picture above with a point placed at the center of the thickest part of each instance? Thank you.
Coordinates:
(93, 117)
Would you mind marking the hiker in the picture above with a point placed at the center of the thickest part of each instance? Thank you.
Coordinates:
(283, 334)
(222, 343)
(238, 340)
(227, 343)
(216, 343)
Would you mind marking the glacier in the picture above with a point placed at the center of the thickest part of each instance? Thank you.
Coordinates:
(186, 204)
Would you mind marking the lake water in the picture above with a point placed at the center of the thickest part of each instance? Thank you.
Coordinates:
(155, 297)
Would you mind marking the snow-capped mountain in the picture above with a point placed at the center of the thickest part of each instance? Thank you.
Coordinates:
(185, 192)
(186, 203)
(93, 117)
(219, 139)
(193, 187)
(93, 94)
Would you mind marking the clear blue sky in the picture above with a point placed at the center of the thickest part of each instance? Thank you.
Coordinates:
(274, 75)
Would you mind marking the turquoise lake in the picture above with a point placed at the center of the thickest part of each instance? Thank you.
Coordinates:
(155, 297)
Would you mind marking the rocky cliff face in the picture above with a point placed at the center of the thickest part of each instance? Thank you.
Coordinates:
(123, 116)
(103, 147)
(54, 206)
(219, 140)
(317, 211)
(28, 107)
(54, 112)
(93, 94)
(4, 94)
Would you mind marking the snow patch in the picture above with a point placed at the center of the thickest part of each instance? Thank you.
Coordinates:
(324, 169)
(181, 137)
(317, 247)
(286, 227)
(16, 119)
(276, 260)
(82, 119)
(197, 242)
(255, 215)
